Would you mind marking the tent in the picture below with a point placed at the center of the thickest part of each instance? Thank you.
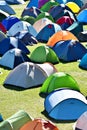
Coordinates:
(59, 80)
(39, 124)
(83, 7)
(28, 19)
(16, 121)
(15, 2)
(83, 62)
(47, 32)
(10, 43)
(65, 104)
(3, 15)
(9, 21)
(2, 36)
(81, 123)
(20, 26)
(73, 6)
(44, 15)
(48, 5)
(26, 38)
(1, 118)
(6, 8)
(82, 36)
(2, 28)
(41, 23)
(32, 3)
(82, 16)
(69, 50)
(78, 2)
(65, 22)
(13, 58)
(61, 35)
(61, 10)
(31, 74)
(76, 28)
(32, 11)
(43, 54)
(41, 3)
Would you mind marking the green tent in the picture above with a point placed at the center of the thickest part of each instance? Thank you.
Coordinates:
(48, 5)
(28, 19)
(16, 121)
(59, 80)
(44, 15)
(43, 54)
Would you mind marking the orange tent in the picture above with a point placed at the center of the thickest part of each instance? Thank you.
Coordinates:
(39, 124)
(59, 36)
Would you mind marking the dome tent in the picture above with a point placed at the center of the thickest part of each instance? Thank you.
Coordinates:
(16, 121)
(47, 31)
(59, 80)
(83, 62)
(6, 7)
(26, 38)
(43, 54)
(64, 104)
(61, 35)
(32, 11)
(31, 74)
(81, 124)
(41, 23)
(9, 21)
(69, 50)
(39, 124)
(10, 43)
(21, 26)
(13, 58)
(15, 1)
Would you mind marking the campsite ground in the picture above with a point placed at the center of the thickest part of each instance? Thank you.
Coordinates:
(13, 99)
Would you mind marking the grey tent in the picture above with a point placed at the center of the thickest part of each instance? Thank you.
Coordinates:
(6, 8)
(28, 74)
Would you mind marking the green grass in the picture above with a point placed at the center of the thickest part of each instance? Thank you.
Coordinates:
(12, 99)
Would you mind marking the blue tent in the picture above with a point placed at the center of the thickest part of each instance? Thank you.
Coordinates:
(83, 62)
(6, 8)
(10, 43)
(65, 104)
(13, 58)
(15, 1)
(82, 16)
(78, 2)
(32, 11)
(26, 38)
(69, 50)
(9, 21)
(61, 10)
(47, 32)
(76, 28)
(33, 3)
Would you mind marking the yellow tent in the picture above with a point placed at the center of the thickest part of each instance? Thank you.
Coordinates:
(73, 6)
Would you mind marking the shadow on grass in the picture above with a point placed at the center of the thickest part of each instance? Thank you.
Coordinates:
(56, 121)
(18, 88)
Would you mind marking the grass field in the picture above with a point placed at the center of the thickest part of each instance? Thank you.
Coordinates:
(12, 99)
